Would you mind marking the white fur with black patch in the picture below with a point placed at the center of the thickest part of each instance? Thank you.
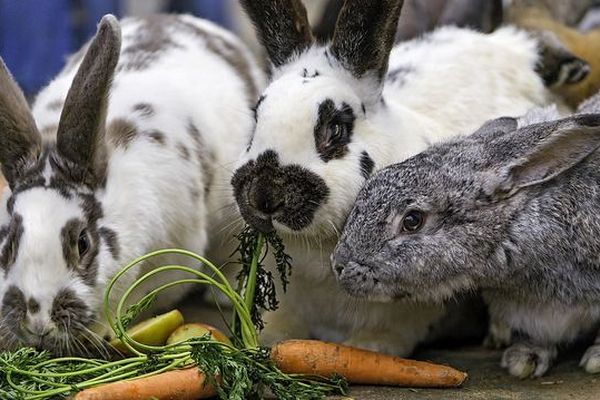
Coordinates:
(455, 80)
(148, 196)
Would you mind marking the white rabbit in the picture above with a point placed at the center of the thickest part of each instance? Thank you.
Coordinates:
(124, 153)
(332, 114)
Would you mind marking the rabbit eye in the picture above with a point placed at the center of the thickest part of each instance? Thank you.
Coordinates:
(412, 221)
(337, 131)
(83, 243)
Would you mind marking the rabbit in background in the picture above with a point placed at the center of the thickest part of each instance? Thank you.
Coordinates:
(510, 210)
(125, 152)
(333, 114)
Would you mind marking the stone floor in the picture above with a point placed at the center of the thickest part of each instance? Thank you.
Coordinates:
(487, 381)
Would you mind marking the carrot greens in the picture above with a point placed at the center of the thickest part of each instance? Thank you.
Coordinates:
(245, 371)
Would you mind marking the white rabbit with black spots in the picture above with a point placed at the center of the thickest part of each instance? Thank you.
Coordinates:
(124, 153)
(332, 114)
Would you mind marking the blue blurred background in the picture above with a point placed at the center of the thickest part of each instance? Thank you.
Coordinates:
(36, 36)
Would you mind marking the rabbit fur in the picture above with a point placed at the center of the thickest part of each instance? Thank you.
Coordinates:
(334, 113)
(126, 151)
(509, 210)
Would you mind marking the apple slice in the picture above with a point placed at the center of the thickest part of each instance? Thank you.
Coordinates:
(195, 330)
(153, 331)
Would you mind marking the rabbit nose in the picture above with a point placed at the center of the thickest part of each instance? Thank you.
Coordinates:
(265, 200)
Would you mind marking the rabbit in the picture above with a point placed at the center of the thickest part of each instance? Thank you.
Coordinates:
(331, 115)
(509, 210)
(125, 152)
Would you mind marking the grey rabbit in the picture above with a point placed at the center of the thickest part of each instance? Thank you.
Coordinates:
(511, 210)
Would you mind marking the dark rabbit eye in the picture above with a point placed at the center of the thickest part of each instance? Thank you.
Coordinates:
(336, 132)
(412, 221)
(83, 243)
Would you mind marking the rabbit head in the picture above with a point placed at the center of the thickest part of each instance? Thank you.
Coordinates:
(51, 243)
(307, 158)
(440, 223)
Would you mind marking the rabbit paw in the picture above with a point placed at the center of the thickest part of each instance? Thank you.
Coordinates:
(591, 359)
(499, 336)
(525, 360)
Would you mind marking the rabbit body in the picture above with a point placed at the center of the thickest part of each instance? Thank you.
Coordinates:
(331, 115)
(167, 150)
(510, 210)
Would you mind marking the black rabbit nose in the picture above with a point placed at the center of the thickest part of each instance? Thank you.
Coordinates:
(265, 200)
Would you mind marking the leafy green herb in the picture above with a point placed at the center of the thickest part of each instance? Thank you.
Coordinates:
(245, 371)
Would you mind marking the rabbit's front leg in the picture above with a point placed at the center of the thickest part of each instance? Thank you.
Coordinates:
(526, 359)
(591, 359)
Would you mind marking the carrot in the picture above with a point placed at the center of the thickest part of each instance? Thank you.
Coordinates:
(184, 384)
(313, 357)
(308, 357)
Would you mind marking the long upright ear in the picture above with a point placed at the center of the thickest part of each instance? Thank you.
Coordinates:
(547, 150)
(20, 141)
(282, 27)
(364, 36)
(80, 137)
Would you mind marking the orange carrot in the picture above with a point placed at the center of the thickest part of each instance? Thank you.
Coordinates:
(185, 384)
(308, 357)
(313, 357)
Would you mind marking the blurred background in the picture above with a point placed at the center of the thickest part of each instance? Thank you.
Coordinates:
(36, 36)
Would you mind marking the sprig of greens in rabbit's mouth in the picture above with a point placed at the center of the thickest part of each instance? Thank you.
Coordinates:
(244, 368)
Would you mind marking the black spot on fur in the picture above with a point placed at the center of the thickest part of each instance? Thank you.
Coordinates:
(363, 108)
(12, 242)
(266, 191)
(69, 235)
(183, 151)
(399, 75)
(14, 308)
(333, 130)
(112, 241)
(33, 306)
(68, 308)
(366, 164)
(306, 74)
(121, 132)
(157, 137)
(206, 158)
(145, 110)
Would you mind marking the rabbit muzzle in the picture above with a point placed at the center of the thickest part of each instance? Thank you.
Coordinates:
(267, 193)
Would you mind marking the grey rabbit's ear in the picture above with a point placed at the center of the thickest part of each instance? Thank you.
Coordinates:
(364, 36)
(547, 150)
(20, 141)
(282, 27)
(495, 128)
(80, 137)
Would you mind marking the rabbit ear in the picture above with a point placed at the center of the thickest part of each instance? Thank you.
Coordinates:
(364, 36)
(80, 134)
(20, 141)
(549, 149)
(282, 27)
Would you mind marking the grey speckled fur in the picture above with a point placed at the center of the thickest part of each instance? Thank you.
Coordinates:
(511, 210)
